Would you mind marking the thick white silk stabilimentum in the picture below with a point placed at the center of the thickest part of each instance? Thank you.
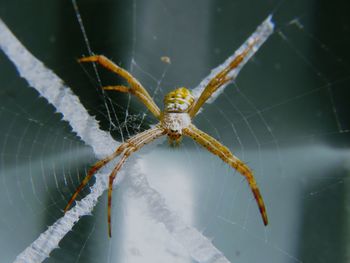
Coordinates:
(256, 39)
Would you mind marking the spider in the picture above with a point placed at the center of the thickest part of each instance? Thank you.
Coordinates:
(175, 121)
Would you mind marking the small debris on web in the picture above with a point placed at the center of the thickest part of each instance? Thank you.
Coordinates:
(165, 59)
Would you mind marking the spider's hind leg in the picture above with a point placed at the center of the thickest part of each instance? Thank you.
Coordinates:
(135, 86)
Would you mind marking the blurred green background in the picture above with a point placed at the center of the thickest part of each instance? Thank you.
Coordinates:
(287, 116)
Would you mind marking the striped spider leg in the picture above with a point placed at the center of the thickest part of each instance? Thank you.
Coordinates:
(221, 78)
(135, 86)
(132, 145)
(215, 147)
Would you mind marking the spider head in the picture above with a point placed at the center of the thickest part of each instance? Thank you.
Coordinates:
(174, 123)
(174, 138)
(179, 100)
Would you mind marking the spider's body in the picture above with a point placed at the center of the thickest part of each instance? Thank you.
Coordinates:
(175, 116)
(175, 121)
(179, 100)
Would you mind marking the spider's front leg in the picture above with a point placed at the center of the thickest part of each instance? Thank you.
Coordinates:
(126, 149)
(133, 147)
(98, 165)
(135, 86)
(224, 153)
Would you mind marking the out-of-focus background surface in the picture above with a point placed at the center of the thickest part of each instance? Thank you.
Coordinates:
(286, 116)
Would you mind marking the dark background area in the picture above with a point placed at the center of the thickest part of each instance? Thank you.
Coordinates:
(289, 109)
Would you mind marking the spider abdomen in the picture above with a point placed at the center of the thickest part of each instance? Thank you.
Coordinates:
(178, 100)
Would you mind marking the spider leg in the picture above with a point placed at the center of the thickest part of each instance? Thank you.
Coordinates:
(119, 88)
(98, 165)
(146, 100)
(220, 79)
(224, 153)
(135, 86)
(156, 133)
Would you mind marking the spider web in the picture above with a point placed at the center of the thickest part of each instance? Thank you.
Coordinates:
(286, 116)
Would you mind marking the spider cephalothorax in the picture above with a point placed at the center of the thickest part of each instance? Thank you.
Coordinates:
(175, 116)
(175, 121)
